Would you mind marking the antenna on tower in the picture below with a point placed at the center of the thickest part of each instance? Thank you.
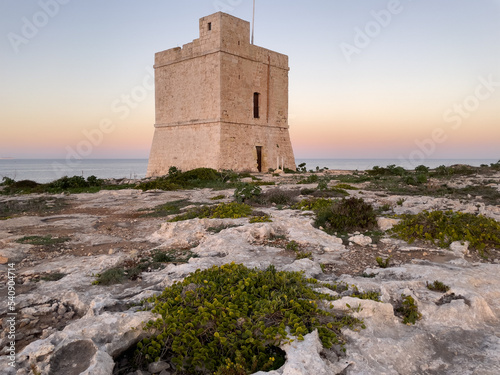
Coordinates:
(253, 19)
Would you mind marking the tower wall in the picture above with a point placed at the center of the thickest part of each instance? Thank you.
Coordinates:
(206, 97)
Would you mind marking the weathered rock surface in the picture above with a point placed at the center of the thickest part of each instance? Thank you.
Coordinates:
(71, 326)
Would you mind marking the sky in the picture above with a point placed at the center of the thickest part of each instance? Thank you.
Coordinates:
(406, 79)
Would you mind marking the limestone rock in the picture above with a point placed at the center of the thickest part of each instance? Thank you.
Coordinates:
(156, 367)
(361, 240)
(385, 223)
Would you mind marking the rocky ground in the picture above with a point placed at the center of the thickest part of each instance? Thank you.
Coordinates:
(66, 325)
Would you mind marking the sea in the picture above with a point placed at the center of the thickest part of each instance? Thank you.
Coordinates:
(47, 170)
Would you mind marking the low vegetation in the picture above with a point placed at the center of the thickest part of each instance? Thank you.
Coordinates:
(233, 210)
(438, 286)
(75, 184)
(347, 215)
(167, 209)
(42, 240)
(232, 319)
(444, 227)
(36, 206)
(383, 263)
(132, 269)
(408, 310)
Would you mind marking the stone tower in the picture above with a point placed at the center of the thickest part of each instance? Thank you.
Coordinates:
(221, 103)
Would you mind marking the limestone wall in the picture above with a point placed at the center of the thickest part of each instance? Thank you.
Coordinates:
(205, 102)
(186, 147)
(238, 147)
(188, 91)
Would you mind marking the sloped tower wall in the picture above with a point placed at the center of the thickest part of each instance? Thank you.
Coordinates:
(221, 103)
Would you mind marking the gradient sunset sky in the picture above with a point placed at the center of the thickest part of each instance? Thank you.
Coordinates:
(368, 79)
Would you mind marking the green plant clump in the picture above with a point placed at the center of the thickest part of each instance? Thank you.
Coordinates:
(313, 204)
(231, 319)
(42, 240)
(260, 219)
(245, 192)
(444, 227)
(383, 263)
(408, 310)
(438, 286)
(233, 210)
(347, 215)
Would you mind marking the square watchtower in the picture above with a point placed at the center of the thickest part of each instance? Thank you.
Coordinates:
(221, 103)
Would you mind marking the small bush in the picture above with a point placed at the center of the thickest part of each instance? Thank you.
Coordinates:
(231, 210)
(422, 169)
(245, 192)
(444, 227)
(408, 310)
(438, 286)
(304, 255)
(237, 316)
(292, 245)
(42, 240)
(260, 219)
(309, 180)
(383, 263)
(110, 277)
(218, 197)
(313, 204)
(345, 187)
(277, 197)
(391, 170)
(168, 209)
(347, 215)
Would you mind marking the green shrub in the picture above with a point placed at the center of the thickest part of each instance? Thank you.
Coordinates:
(304, 255)
(292, 245)
(421, 169)
(233, 210)
(237, 316)
(345, 187)
(168, 209)
(323, 185)
(218, 197)
(383, 263)
(408, 309)
(309, 180)
(260, 219)
(176, 179)
(245, 192)
(302, 168)
(313, 204)
(391, 170)
(347, 215)
(438, 286)
(65, 183)
(110, 277)
(7, 181)
(276, 196)
(444, 227)
(42, 240)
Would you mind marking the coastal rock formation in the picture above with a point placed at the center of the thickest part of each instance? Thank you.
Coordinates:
(66, 325)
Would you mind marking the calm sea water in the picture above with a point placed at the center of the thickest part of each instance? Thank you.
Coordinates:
(46, 170)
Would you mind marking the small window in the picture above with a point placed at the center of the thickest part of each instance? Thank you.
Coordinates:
(210, 26)
(256, 96)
